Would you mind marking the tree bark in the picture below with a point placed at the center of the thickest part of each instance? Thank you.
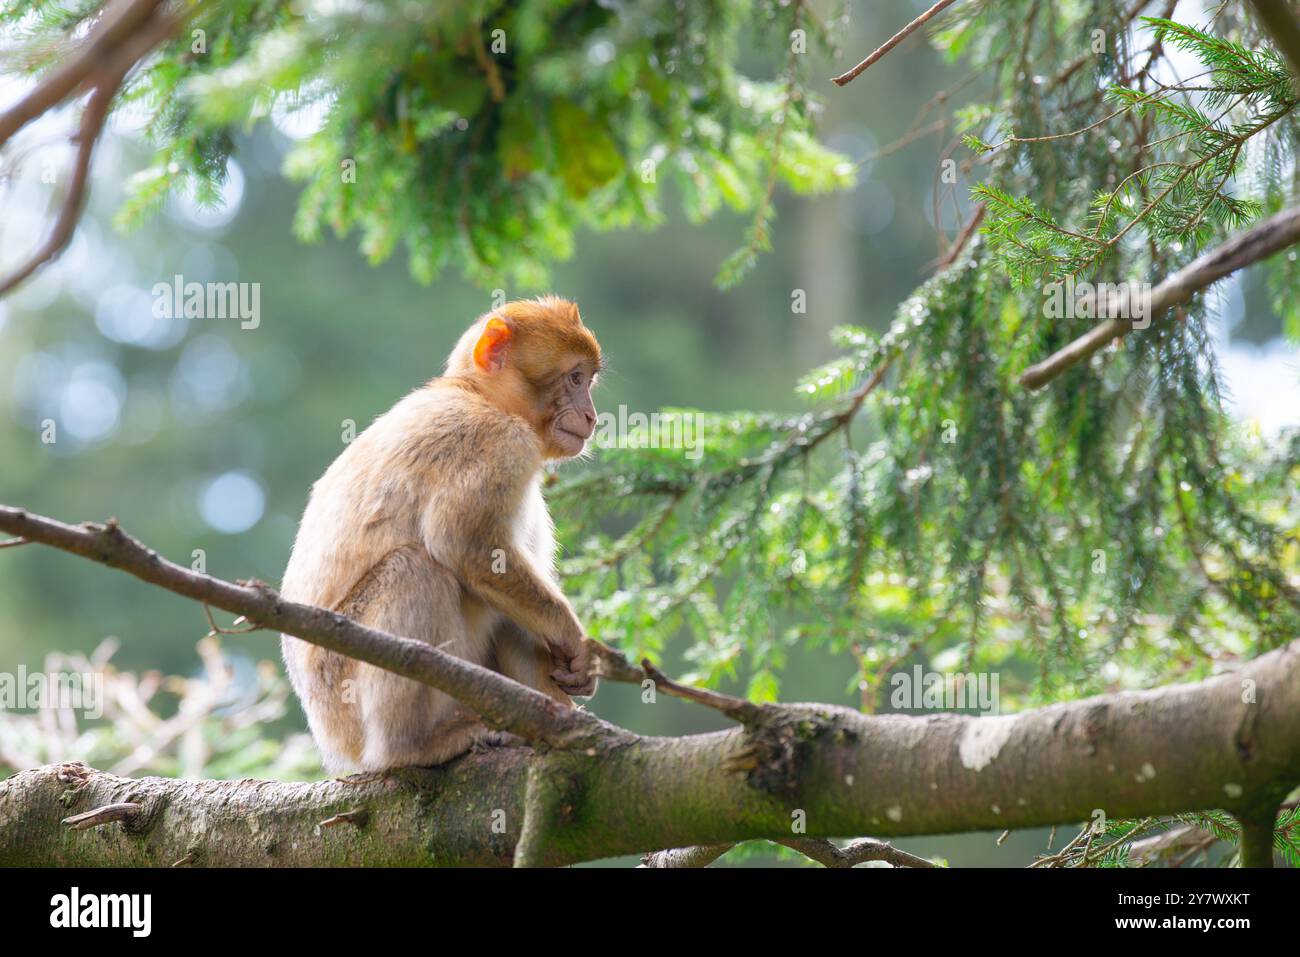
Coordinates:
(1231, 742)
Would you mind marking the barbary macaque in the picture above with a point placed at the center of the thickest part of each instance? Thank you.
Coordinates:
(431, 525)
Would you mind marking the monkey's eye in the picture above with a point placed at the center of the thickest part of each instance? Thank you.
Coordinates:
(575, 377)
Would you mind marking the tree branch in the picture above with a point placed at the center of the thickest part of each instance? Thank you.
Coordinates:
(738, 709)
(1257, 838)
(548, 799)
(1175, 749)
(92, 123)
(1283, 28)
(892, 42)
(118, 20)
(686, 857)
(855, 853)
(1249, 246)
(498, 700)
(127, 32)
(963, 237)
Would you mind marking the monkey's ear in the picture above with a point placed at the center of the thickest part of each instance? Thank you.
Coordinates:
(490, 350)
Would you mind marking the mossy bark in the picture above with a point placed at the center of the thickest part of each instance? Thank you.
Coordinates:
(1230, 742)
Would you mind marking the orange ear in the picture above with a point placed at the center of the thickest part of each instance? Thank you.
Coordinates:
(490, 350)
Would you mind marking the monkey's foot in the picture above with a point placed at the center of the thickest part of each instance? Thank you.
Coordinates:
(497, 739)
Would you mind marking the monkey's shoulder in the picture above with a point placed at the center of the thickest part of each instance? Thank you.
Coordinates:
(433, 449)
(444, 425)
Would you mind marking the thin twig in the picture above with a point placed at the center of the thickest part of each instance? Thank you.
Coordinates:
(218, 630)
(950, 257)
(103, 815)
(357, 818)
(892, 42)
(92, 122)
(615, 667)
(911, 136)
(855, 853)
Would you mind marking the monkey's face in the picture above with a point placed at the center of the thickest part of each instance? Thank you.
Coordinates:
(572, 419)
(538, 361)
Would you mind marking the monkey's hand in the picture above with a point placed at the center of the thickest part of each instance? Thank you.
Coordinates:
(575, 670)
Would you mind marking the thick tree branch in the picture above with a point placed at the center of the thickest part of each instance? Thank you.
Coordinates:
(1175, 749)
(1249, 246)
(548, 801)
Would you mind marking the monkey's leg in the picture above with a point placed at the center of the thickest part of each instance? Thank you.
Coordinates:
(403, 722)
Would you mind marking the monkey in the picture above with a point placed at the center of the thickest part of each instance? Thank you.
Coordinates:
(431, 525)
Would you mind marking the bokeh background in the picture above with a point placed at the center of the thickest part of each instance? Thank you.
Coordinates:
(200, 435)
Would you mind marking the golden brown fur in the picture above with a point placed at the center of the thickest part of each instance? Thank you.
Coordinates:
(431, 525)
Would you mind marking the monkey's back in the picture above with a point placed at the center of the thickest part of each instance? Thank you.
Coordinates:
(375, 495)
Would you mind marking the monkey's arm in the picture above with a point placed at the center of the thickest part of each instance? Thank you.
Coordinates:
(508, 582)
(506, 579)
(478, 547)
